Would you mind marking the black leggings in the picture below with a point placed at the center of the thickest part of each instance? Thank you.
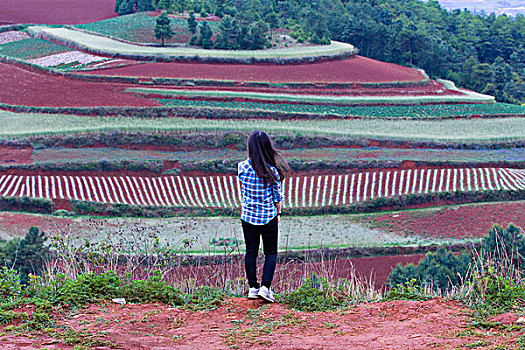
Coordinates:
(252, 237)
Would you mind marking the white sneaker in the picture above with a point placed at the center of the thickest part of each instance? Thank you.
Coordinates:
(266, 294)
(252, 293)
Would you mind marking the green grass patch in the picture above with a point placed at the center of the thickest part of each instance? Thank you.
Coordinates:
(29, 49)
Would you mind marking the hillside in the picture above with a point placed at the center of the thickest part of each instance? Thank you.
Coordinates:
(402, 213)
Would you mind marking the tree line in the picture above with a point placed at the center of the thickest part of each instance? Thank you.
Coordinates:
(485, 53)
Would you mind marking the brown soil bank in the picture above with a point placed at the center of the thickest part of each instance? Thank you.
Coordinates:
(243, 324)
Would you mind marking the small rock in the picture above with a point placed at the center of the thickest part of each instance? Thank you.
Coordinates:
(520, 320)
(120, 301)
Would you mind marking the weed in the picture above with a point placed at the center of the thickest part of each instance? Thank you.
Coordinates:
(315, 295)
(330, 325)
(477, 344)
(203, 298)
(409, 291)
(255, 324)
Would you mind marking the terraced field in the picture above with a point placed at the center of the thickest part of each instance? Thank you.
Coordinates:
(459, 221)
(138, 28)
(22, 87)
(371, 154)
(110, 47)
(15, 125)
(354, 70)
(391, 111)
(437, 141)
(225, 191)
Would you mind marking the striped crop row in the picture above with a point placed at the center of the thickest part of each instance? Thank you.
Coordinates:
(224, 191)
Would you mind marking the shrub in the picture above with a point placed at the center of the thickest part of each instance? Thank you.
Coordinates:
(204, 298)
(9, 284)
(34, 205)
(155, 289)
(441, 270)
(315, 295)
(26, 256)
(85, 289)
(498, 292)
(90, 287)
(506, 246)
(496, 284)
(407, 291)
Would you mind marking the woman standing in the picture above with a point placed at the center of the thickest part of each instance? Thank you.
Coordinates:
(261, 176)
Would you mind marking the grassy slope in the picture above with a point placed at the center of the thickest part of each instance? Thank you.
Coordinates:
(110, 46)
(477, 130)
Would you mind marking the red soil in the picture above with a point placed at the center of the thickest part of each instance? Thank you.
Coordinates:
(55, 11)
(14, 224)
(15, 155)
(240, 323)
(473, 220)
(21, 87)
(354, 70)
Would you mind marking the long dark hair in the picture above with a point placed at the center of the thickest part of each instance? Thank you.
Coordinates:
(262, 153)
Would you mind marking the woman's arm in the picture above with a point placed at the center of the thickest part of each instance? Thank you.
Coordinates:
(278, 206)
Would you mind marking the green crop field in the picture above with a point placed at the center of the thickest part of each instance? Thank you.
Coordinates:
(109, 46)
(453, 130)
(138, 27)
(29, 49)
(416, 111)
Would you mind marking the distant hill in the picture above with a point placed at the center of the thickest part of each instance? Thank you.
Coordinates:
(499, 7)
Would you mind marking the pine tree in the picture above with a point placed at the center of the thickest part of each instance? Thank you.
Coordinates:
(27, 256)
(126, 7)
(162, 28)
(192, 24)
(272, 19)
(144, 5)
(227, 33)
(206, 34)
(32, 254)
(259, 40)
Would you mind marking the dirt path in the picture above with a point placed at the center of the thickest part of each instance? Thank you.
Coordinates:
(242, 324)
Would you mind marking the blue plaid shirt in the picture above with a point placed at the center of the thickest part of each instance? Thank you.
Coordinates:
(258, 199)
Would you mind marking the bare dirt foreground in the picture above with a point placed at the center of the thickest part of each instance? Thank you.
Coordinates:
(242, 324)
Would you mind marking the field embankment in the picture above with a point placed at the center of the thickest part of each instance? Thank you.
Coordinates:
(103, 45)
